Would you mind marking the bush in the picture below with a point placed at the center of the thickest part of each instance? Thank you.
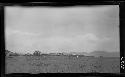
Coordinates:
(28, 54)
(14, 54)
(9, 53)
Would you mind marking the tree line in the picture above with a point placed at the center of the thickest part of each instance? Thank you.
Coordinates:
(10, 53)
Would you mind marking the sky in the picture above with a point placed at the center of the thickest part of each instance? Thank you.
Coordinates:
(68, 29)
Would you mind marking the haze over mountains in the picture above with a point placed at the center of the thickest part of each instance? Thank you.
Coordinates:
(99, 53)
(105, 54)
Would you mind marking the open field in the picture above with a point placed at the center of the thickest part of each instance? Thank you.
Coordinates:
(62, 64)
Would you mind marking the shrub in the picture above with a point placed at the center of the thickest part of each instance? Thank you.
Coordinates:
(28, 54)
(9, 53)
(14, 54)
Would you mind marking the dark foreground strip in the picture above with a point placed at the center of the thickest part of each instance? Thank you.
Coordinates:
(66, 75)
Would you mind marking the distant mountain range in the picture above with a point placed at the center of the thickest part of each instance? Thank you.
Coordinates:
(79, 53)
(94, 53)
(98, 53)
(105, 54)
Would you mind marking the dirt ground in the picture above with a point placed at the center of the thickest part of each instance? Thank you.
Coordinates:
(62, 64)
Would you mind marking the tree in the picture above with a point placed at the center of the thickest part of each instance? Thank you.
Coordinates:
(37, 53)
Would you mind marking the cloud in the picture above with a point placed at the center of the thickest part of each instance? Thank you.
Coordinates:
(20, 33)
(87, 42)
(88, 36)
(68, 29)
(27, 40)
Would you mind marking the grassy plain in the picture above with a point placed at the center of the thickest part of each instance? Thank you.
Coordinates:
(62, 64)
